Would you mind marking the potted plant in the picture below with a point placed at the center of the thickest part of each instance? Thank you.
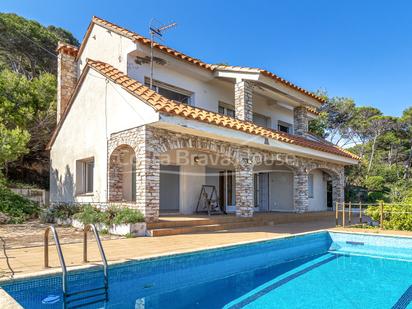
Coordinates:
(128, 221)
(116, 220)
(89, 215)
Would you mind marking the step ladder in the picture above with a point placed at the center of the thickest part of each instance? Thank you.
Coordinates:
(76, 299)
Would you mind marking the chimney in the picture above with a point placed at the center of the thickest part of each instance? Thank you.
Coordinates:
(66, 75)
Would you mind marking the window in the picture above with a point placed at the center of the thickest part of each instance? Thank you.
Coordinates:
(84, 176)
(226, 109)
(256, 196)
(171, 92)
(310, 186)
(261, 120)
(226, 188)
(284, 127)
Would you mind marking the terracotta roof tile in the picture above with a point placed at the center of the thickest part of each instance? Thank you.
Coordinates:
(312, 110)
(139, 38)
(164, 105)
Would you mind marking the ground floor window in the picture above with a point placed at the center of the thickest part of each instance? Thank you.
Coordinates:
(226, 188)
(261, 191)
(84, 176)
(256, 191)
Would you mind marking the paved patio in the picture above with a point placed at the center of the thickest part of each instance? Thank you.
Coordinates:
(29, 261)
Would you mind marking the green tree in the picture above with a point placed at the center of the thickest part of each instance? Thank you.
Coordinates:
(332, 124)
(28, 65)
(27, 116)
(13, 144)
(378, 126)
(406, 122)
(375, 183)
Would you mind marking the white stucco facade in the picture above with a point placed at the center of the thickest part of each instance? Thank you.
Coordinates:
(101, 107)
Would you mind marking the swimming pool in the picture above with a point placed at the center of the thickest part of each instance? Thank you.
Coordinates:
(319, 270)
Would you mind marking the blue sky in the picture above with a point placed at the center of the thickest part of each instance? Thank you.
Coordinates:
(359, 49)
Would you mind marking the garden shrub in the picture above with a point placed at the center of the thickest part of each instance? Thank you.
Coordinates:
(396, 216)
(112, 215)
(16, 207)
(376, 196)
(375, 183)
(90, 215)
(61, 211)
(128, 216)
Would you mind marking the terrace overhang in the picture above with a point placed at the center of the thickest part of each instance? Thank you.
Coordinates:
(182, 125)
(266, 85)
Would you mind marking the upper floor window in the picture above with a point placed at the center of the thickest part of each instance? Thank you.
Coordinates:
(284, 127)
(261, 120)
(84, 175)
(171, 92)
(226, 109)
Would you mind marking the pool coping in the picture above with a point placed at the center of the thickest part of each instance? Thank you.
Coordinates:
(8, 302)
(56, 271)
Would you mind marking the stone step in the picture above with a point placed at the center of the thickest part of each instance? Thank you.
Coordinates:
(195, 222)
(175, 226)
(203, 228)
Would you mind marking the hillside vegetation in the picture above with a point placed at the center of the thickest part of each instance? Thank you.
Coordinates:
(28, 66)
(28, 106)
(383, 142)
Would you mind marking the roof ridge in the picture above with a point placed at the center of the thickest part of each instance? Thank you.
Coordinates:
(140, 38)
(136, 37)
(163, 104)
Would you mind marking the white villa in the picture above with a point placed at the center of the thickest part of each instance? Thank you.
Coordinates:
(242, 130)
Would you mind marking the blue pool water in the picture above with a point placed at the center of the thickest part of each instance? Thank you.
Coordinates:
(320, 270)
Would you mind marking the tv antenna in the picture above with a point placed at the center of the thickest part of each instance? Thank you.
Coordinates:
(156, 30)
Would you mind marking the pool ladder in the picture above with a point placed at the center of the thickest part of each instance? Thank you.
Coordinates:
(68, 300)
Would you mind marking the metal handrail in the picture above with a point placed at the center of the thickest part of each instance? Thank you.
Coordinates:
(87, 228)
(93, 228)
(59, 252)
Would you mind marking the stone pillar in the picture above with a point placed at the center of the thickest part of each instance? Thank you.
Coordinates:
(244, 189)
(338, 187)
(243, 100)
(300, 120)
(300, 187)
(115, 177)
(147, 177)
(66, 76)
